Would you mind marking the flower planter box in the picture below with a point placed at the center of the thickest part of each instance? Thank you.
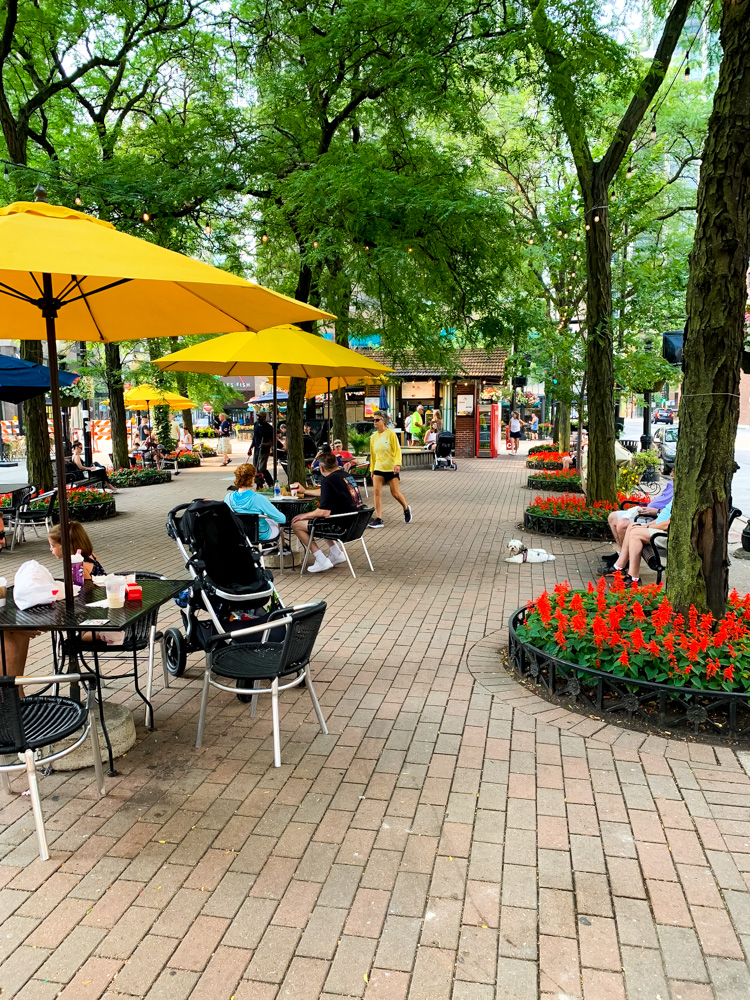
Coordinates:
(723, 715)
(86, 512)
(553, 485)
(128, 479)
(569, 527)
(546, 465)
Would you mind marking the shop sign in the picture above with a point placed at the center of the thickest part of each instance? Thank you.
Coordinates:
(418, 390)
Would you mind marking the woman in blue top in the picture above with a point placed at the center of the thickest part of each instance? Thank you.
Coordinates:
(244, 500)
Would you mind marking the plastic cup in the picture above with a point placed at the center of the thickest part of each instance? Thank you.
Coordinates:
(293, 491)
(115, 592)
(3, 591)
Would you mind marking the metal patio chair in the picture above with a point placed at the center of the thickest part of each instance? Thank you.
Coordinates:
(28, 725)
(280, 658)
(341, 528)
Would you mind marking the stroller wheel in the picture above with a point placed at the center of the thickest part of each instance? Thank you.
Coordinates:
(244, 698)
(175, 651)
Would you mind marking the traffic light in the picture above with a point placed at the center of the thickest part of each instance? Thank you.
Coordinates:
(554, 380)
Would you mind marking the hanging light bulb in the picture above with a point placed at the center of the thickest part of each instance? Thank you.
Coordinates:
(78, 196)
(315, 243)
(653, 127)
(565, 235)
(687, 69)
(559, 232)
(587, 227)
(208, 227)
(409, 250)
(629, 171)
(145, 216)
(578, 237)
(596, 218)
(264, 238)
(367, 248)
(531, 240)
(5, 172)
(572, 274)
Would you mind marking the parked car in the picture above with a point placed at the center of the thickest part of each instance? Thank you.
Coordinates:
(663, 415)
(665, 445)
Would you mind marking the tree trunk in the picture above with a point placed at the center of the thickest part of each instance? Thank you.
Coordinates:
(294, 430)
(602, 469)
(340, 426)
(117, 416)
(38, 461)
(563, 426)
(556, 425)
(716, 299)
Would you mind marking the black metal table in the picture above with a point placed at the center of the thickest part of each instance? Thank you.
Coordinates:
(69, 619)
(290, 507)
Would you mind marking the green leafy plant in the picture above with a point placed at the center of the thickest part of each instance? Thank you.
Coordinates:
(359, 442)
(130, 478)
(630, 476)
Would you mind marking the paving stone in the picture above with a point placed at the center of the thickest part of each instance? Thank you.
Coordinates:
(682, 954)
(352, 963)
(433, 975)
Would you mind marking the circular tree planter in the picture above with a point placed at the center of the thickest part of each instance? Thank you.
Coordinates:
(546, 465)
(722, 715)
(552, 485)
(568, 527)
(85, 512)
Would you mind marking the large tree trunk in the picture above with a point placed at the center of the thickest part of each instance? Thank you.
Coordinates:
(294, 430)
(716, 299)
(118, 419)
(340, 426)
(602, 470)
(38, 461)
(563, 427)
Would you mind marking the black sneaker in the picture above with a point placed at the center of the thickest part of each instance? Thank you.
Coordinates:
(377, 522)
(407, 515)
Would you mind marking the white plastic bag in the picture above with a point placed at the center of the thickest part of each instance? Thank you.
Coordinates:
(34, 584)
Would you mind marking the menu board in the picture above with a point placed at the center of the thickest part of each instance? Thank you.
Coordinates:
(464, 405)
(418, 390)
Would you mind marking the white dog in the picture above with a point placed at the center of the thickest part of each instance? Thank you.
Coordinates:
(520, 554)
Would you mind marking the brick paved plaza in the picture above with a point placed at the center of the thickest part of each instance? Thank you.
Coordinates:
(454, 837)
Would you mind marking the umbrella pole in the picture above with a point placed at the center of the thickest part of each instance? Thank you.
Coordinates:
(329, 409)
(275, 369)
(49, 311)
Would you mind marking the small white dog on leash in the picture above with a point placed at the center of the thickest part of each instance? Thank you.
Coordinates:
(520, 554)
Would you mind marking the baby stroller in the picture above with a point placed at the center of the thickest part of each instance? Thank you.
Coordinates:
(444, 449)
(231, 586)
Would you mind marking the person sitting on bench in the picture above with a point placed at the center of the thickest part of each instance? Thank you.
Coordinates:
(636, 537)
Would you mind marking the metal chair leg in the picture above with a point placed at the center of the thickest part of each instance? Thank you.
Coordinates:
(369, 561)
(97, 751)
(204, 702)
(275, 716)
(346, 556)
(36, 805)
(309, 547)
(316, 703)
(6, 783)
(253, 702)
(150, 676)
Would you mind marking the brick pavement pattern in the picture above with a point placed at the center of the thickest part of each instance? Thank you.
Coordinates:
(454, 837)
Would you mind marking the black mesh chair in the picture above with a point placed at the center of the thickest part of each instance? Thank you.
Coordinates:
(340, 528)
(18, 500)
(28, 725)
(141, 635)
(26, 516)
(245, 657)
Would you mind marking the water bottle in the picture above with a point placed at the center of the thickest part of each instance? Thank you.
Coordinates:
(76, 567)
(276, 490)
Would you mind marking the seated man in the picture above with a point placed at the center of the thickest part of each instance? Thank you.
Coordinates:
(309, 447)
(337, 496)
(620, 520)
(346, 456)
(636, 537)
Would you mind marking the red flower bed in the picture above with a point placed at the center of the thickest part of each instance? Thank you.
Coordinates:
(548, 456)
(636, 633)
(573, 507)
(558, 474)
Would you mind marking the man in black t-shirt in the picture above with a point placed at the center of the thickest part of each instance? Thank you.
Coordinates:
(337, 496)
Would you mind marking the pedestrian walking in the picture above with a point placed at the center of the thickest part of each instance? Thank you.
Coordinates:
(417, 425)
(225, 442)
(515, 430)
(262, 441)
(385, 461)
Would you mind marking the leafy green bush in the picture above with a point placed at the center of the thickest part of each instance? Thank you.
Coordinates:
(359, 443)
(207, 451)
(188, 461)
(640, 463)
(204, 432)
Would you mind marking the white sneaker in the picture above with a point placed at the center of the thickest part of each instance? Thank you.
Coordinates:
(320, 566)
(336, 557)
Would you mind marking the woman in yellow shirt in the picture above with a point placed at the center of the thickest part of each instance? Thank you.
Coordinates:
(385, 463)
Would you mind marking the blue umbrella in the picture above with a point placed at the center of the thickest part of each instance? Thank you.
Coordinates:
(20, 380)
(281, 397)
(383, 398)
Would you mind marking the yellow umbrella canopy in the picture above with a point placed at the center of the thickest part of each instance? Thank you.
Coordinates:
(281, 350)
(89, 282)
(143, 396)
(320, 386)
(109, 286)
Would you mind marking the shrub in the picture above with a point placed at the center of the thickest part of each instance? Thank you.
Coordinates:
(130, 478)
(207, 451)
(359, 442)
(637, 633)
(204, 432)
(557, 480)
(536, 448)
(78, 496)
(188, 461)
(640, 463)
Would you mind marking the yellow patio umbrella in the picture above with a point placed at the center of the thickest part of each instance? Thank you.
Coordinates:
(320, 386)
(143, 396)
(90, 282)
(281, 350)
